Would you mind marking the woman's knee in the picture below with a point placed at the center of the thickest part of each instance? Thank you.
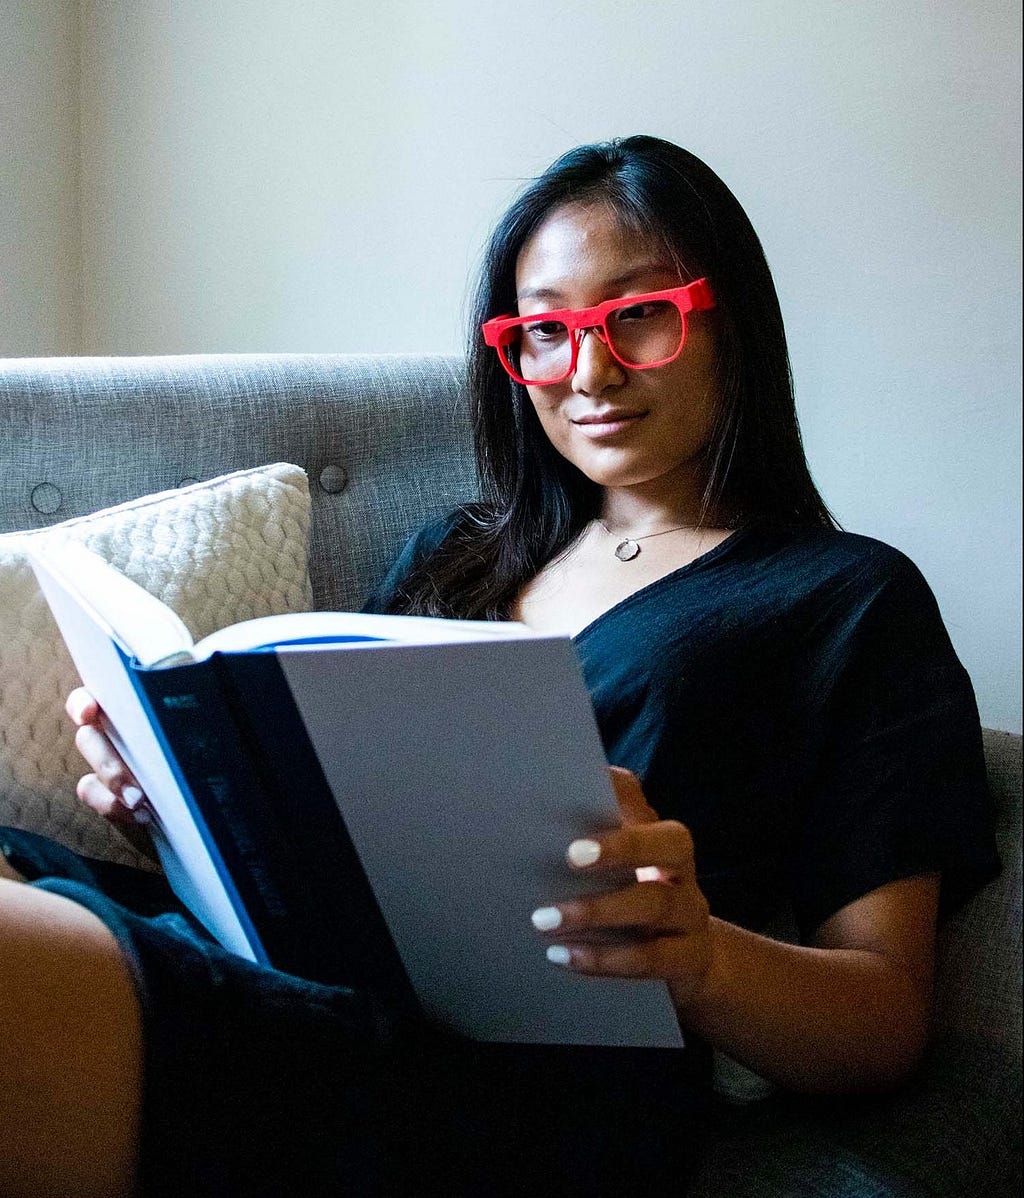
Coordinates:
(70, 1050)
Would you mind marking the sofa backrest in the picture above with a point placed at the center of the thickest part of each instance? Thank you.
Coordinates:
(384, 439)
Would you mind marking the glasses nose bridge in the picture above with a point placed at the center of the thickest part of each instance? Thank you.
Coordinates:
(587, 365)
(597, 328)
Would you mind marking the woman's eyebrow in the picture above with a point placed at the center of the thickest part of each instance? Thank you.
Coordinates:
(620, 280)
(544, 293)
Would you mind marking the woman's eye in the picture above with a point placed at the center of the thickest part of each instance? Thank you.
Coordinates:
(545, 329)
(638, 312)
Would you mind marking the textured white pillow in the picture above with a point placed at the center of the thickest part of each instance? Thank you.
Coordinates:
(216, 552)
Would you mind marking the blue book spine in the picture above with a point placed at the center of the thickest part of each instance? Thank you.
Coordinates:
(242, 751)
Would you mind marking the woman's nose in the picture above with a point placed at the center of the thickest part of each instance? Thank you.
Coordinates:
(596, 368)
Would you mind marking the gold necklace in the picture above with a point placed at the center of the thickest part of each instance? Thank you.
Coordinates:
(629, 548)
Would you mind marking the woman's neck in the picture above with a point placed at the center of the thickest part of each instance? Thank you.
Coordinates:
(648, 508)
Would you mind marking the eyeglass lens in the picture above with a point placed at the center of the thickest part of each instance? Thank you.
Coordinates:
(639, 334)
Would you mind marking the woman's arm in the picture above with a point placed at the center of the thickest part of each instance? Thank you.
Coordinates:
(849, 1013)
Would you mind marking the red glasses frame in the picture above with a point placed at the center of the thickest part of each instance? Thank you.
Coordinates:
(500, 331)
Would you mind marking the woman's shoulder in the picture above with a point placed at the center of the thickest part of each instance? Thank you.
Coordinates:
(434, 532)
(423, 542)
(834, 553)
(449, 525)
(829, 576)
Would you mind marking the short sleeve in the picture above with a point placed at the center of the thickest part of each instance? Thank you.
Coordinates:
(900, 789)
(418, 547)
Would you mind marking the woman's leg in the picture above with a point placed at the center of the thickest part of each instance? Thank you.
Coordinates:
(70, 1049)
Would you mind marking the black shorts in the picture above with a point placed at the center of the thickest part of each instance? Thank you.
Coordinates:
(258, 1083)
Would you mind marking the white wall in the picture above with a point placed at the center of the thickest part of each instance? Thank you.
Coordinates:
(320, 175)
(40, 235)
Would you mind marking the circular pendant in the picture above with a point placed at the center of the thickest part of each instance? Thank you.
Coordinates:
(626, 550)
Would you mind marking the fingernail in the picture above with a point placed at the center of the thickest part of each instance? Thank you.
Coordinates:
(131, 796)
(546, 919)
(558, 954)
(583, 852)
(142, 815)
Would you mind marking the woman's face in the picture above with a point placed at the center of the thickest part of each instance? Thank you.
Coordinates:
(621, 427)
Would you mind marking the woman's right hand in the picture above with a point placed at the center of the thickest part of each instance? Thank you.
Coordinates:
(110, 788)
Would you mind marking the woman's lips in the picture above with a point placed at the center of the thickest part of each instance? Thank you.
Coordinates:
(607, 424)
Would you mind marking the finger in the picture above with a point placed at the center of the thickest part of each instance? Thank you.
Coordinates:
(102, 800)
(82, 707)
(665, 957)
(107, 763)
(666, 844)
(645, 908)
(632, 801)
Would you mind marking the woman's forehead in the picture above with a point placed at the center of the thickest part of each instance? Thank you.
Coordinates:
(590, 245)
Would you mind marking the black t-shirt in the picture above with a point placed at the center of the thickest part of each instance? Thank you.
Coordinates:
(793, 697)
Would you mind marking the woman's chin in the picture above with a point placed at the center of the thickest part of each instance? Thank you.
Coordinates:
(619, 471)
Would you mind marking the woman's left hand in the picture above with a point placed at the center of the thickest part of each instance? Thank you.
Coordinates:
(658, 927)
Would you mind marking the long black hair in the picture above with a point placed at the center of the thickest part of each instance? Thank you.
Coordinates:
(534, 503)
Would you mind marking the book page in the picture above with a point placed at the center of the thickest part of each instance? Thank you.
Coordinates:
(335, 628)
(146, 628)
(187, 861)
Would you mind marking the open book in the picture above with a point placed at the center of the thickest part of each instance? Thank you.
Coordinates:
(379, 801)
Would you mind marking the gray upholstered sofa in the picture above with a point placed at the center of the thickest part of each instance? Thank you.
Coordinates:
(385, 443)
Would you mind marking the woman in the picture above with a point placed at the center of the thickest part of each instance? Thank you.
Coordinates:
(787, 723)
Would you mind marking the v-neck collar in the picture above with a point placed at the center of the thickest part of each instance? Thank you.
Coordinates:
(641, 593)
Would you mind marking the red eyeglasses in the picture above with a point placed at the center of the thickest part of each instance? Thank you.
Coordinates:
(641, 332)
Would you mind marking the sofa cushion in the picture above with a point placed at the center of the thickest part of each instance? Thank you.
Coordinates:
(217, 552)
(953, 1131)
